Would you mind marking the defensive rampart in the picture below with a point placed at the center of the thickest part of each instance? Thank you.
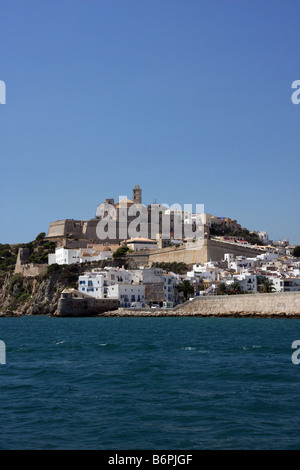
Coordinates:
(283, 304)
(75, 304)
(209, 250)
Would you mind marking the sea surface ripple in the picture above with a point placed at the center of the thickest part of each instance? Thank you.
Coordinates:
(149, 383)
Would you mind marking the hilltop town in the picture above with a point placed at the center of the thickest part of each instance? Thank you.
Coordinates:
(152, 257)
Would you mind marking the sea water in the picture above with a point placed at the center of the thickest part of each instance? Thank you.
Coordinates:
(149, 383)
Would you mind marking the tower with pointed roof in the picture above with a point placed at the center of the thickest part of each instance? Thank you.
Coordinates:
(137, 195)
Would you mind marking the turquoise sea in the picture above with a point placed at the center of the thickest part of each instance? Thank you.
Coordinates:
(149, 383)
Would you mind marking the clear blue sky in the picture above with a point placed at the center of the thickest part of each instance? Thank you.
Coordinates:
(189, 99)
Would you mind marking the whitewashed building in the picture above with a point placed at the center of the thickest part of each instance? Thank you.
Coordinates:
(137, 244)
(64, 255)
(291, 284)
(129, 295)
(96, 283)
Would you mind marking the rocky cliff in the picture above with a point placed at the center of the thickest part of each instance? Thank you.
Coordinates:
(38, 295)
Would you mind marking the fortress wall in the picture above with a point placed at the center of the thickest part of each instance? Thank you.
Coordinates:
(179, 255)
(283, 303)
(57, 229)
(216, 250)
(212, 250)
(30, 269)
(84, 307)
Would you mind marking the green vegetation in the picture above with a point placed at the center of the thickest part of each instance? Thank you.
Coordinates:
(66, 273)
(120, 252)
(177, 268)
(222, 289)
(186, 288)
(265, 285)
(296, 251)
(243, 234)
(16, 280)
(231, 289)
(40, 236)
(8, 257)
(19, 291)
(38, 252)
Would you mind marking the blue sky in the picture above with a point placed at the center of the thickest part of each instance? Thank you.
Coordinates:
(189, 99)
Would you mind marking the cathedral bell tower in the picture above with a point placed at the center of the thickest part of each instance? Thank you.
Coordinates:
(137, 195)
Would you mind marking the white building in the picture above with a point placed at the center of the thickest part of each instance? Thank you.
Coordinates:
(96, 283)
(93, 285)
(264, 237)
(137, 244)
(129, 295)
(208, 271)
(239, 263)
(156, 276)
(170, 288)
(291, 284)
(64, 255)
(248, 282)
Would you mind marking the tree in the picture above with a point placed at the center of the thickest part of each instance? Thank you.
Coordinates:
(235, 288)
(296, 251)
(266, 286)
(120, 252)
(40, 236)
(222, 289)
(186, 288)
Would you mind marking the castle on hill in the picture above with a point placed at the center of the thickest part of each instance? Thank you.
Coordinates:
(156, 217)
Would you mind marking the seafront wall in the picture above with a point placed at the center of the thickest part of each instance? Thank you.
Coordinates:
(69, 306)
(285, 304)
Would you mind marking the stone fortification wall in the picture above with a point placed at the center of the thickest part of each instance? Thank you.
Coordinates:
(285, 304)
(31, 270)
(211, 250)
(69, 306)
(216, 250)
(25, 268)
(275, 304)
(62, 228)
(190, 255)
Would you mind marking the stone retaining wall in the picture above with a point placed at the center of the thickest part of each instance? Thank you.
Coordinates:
(69, 306)
(285, 304)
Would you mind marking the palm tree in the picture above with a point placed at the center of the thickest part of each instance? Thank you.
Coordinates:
(186, 288)
(222, 289)
(235, 288)
(266, 285)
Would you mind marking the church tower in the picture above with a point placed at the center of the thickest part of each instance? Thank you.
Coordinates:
(137, 195)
